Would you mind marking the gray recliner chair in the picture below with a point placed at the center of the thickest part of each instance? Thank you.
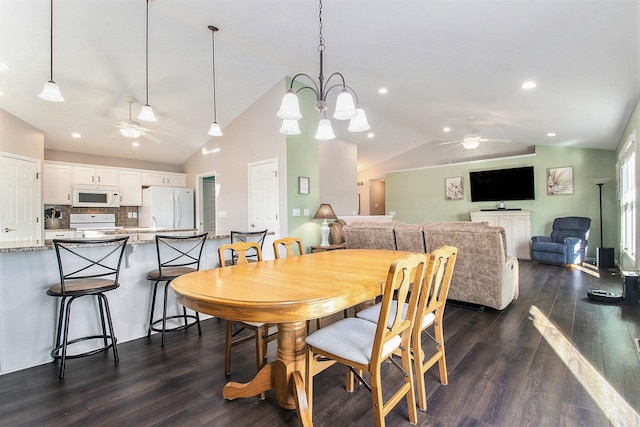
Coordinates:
(567, 244)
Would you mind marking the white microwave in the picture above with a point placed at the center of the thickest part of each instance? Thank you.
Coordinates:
(92, 197)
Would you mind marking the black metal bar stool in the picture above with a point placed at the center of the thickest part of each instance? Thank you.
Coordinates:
(87, 268)
(177, 255)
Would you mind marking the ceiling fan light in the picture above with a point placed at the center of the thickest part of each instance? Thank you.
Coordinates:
(325, 131)
(345, 107)
(471, 143)
(359, 123)
(146, 114)
(51, 92)
(290, 127)
(215, 129)
(290, 107)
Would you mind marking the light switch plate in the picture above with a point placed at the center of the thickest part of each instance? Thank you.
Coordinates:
(296, 212)
(306, 212)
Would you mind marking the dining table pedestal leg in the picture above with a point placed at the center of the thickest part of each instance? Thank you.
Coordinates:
(277, 375)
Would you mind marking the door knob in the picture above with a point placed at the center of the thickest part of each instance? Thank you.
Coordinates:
(7, 229)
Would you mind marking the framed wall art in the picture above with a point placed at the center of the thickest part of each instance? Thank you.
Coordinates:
(303, 185)
(560, 181)
(454, 188)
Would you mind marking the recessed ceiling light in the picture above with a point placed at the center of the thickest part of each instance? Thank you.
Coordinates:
(383, 91)
(76, 135)
(371, 135)
(3, 66)
(2, 93)
(447, 129)
(551, 134)
(135, 144)
(528, 84)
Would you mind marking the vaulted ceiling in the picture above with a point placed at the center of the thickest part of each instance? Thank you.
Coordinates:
(441, 61)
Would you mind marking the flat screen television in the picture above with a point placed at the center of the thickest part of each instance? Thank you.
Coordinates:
(502, 184)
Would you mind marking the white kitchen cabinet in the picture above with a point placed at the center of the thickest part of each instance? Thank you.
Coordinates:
(56, 184)
(167, 179)
(517, 228)
(87, 175)
(130, 188)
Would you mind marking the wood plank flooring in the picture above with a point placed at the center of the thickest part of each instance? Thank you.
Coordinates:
(505, 369)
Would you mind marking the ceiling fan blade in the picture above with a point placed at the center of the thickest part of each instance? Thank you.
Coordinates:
(161, 132)
(450, 142)
(504, 141)
(151, 137)
(459, 143)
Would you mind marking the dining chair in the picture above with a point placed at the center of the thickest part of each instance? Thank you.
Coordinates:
(87, 268)
(247, 236)
(176, 255)
(364, 346)
(431, 310)
(260, 330)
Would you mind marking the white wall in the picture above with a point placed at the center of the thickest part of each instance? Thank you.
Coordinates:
(338, 173)
(19, 137)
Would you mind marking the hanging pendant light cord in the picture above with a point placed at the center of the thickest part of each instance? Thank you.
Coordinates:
(51, 56)
(213, 68)
(147, 53)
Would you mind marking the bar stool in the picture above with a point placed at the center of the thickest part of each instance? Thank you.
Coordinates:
(177, 255)
(87, 268)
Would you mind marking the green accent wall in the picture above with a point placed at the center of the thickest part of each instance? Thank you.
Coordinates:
(418, 195)
(303, 159)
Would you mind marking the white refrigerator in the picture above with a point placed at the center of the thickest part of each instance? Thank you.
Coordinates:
(167, 208)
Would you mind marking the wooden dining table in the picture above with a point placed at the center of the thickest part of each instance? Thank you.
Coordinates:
(286, 292)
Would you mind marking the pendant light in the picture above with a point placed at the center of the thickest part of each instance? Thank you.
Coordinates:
(346, 108)
(51, 91)
(146, 112)
(215, 129)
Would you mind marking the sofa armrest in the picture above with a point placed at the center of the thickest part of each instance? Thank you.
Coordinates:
(510, 280)
(572, 241)
(536, 239)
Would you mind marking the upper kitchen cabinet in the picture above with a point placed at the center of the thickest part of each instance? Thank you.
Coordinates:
(93, 176)
(130, 188)
(56, 184)
(167, 179)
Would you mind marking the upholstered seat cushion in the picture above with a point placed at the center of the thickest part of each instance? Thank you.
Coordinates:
(350, 338)
(372, 314)
(169, 273)
(83, 286)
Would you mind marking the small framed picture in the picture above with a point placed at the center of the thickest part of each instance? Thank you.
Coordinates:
(453, 188)
(560, 181)
(303, 185)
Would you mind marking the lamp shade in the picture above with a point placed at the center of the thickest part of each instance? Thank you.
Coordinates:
(345, 107)
(215, 129)
(290, 127)
(325, 131)
(146, 114)
(359, 123)
(290, 107)
(325, 211)
(51, 92)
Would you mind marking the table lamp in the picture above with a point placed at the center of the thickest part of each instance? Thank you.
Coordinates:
(325, 212)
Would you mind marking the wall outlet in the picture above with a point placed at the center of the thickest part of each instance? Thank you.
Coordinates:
(222, 214)
(129, 215)
(135, 214)
(296, 212)
(393, 213)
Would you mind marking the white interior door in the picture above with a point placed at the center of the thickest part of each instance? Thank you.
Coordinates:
(21, 211)
(264, 196)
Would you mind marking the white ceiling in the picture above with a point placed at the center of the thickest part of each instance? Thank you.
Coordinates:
(442, 62)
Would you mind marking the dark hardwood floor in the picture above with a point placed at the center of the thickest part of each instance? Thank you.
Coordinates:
(552, 358)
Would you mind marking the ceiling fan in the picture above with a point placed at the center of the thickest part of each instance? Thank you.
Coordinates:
(472, 140)
(133, 130)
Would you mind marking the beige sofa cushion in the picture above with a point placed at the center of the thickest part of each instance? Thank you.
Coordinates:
(409, 237)
(370, 235)
(336, 231)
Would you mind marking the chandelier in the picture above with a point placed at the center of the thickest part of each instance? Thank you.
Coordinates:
(346, 108)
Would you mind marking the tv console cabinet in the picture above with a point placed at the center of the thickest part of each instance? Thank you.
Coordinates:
(517, 227)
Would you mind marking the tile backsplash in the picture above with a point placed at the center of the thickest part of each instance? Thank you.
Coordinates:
(122, 214)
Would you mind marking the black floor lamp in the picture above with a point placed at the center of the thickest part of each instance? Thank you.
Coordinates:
(604, 256)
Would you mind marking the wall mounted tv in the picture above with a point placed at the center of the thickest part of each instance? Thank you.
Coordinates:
(502, 184)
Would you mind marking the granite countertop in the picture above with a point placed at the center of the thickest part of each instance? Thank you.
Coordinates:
(136, 236)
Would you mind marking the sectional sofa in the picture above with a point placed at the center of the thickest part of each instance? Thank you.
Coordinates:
(484, 274)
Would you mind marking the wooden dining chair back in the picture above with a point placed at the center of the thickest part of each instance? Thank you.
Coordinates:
(260, 331)
(87, 268)
(363, 346)
(247, 236)
(431, 310)
(176, 255)
(290, 245)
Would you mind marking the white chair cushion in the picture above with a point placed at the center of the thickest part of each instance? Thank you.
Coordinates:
(372, 314)
(351, 339)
